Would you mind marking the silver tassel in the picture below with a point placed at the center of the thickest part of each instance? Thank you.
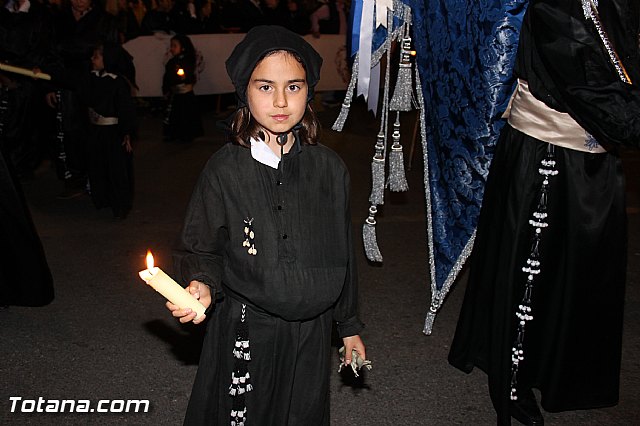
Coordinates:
(346, 103)
(377, 173)
(402, 99)
(369, 237)
(431, 315)
(397, 179)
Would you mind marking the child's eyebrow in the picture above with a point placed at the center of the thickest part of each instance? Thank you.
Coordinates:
(264, 80)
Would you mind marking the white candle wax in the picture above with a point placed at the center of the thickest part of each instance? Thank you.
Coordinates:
(24, 71)
(171, 290)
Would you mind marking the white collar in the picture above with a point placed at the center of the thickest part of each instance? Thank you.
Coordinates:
(103, 73)
(261, 152)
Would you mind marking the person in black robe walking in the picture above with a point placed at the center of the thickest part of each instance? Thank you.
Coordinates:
(79, 27)
(182, 121)
(267, 246)
(544, 302)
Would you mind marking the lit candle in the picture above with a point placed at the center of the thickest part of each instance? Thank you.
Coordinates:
(170, 289)
(180, 72)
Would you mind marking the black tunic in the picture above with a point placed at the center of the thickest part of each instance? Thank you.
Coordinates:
(572, 346)
(302, 276)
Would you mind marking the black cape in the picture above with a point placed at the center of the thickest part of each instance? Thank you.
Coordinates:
(572, 347)
(25, 279)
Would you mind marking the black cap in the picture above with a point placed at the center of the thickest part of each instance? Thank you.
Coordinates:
(257, 43)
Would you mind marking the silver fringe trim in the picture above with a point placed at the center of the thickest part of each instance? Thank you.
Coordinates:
(397, 178)
(369, 237)
(403, 99)
(437, 296)
(378, 163)
(400, 11)
(532, 267)
(346, 103)
(377, 176)
(590, 9)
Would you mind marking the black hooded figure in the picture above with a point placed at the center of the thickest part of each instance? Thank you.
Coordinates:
(544, 302)
(267, 247)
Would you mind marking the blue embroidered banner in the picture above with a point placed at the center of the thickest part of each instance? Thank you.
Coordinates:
(465, 55)
(465, 52)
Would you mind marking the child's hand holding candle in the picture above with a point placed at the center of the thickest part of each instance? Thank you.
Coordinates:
(182, 303)
(201, 292)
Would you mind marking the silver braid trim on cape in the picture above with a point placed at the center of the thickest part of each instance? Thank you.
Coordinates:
(590, 10)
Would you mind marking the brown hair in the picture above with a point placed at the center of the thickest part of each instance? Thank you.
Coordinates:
(244, 127)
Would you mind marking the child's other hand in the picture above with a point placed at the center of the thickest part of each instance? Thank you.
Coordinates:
(126, 143)
(350, 343)
(201, 292)
(51, 99)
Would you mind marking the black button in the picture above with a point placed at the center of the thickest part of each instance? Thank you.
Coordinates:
(284, 236)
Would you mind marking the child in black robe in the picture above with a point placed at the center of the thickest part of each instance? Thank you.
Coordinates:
(106, 94)
(267, 247)
(182, 121)
(112, 113)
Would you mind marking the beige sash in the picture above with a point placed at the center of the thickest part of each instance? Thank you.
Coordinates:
(182, 88)
(536, 119)
(100, 120)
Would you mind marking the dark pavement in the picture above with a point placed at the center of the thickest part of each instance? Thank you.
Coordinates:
(108, 336)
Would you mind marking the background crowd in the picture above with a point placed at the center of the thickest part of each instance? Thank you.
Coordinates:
(43, 123)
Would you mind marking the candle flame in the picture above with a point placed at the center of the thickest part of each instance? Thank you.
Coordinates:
(180, 72)
(149, 260)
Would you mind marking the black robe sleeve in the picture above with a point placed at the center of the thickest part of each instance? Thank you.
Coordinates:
(345, 312)
(568, 68)
(199, 251)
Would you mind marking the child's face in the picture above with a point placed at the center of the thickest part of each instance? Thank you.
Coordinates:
(97, 60)
(277, 93)
(175, 48)
(80, 6)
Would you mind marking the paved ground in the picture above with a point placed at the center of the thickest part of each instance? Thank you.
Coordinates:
(108, 336)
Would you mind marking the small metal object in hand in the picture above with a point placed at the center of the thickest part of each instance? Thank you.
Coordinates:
(356, 361)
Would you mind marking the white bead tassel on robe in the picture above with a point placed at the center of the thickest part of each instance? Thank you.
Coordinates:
(240, 377)
(532, 267)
